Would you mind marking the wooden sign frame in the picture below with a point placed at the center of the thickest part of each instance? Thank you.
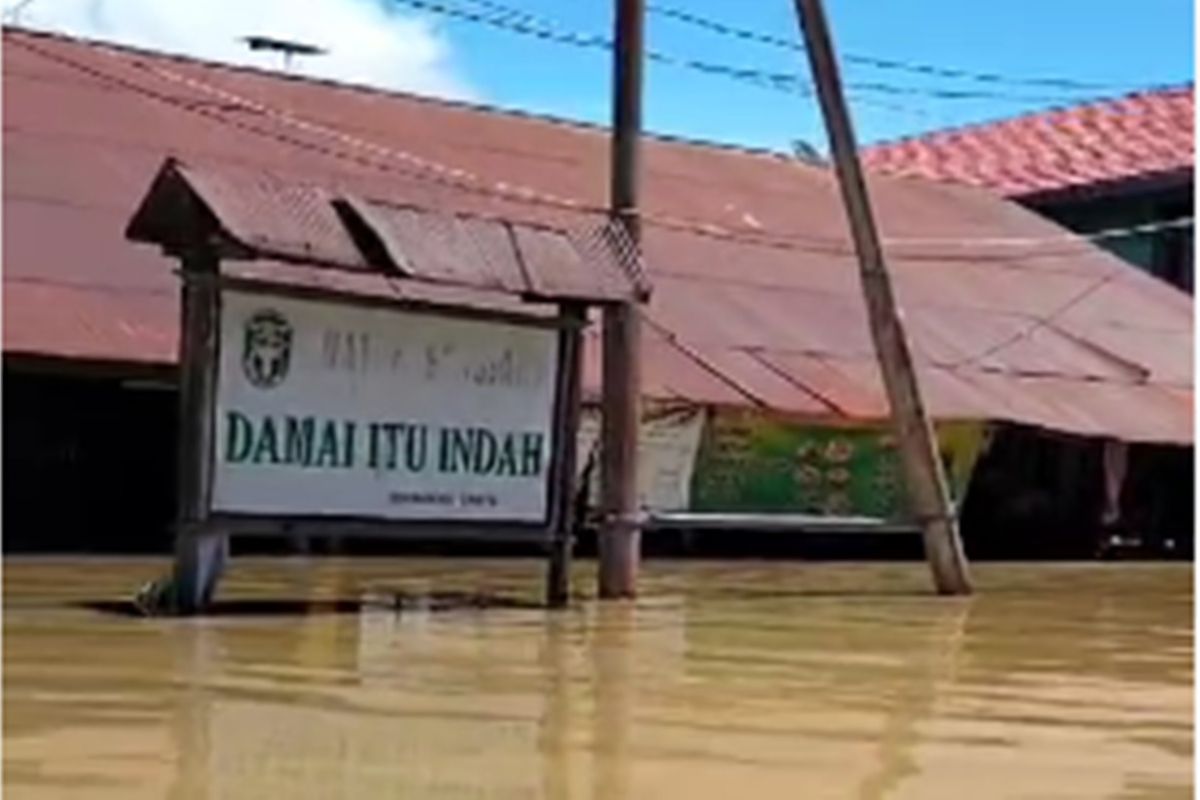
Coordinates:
(200, 355)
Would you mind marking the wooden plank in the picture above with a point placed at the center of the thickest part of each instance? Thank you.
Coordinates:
(533, 319)
(775, 522)
(366, 528)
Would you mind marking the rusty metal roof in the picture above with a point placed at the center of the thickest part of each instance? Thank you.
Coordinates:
(249, 215)
(758, 304)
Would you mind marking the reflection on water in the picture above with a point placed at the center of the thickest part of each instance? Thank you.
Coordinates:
(725, 680)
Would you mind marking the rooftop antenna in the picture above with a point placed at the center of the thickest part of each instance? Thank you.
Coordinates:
(14, 11)
(285, 47)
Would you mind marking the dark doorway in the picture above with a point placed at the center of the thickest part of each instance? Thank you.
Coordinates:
(89, 463)
(1039, 495)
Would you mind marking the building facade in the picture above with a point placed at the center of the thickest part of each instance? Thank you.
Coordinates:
(756, 325)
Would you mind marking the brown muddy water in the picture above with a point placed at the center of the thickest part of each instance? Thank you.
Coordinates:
(726, 680)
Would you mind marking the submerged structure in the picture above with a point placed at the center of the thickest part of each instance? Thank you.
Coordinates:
(1059, 375)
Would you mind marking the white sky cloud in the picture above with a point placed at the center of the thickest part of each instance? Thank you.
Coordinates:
(367, 43)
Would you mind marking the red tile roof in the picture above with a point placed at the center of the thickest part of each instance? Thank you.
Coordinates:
(1140, 137)
(1061, 335)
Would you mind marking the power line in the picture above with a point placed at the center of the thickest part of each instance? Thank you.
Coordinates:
(463, 180)
(458, 178)
(1066, 237)
(520, 22)
(1036, 325)
(416, 167)
(777, 81)
(929, 70)
(514, 20)
(1103, 235)
(13, 12)
(528, 194)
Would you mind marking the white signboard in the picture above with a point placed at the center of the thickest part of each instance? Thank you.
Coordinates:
(327, 409)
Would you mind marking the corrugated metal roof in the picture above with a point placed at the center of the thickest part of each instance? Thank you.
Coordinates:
(524, 259)
(1132, 138)
(87, 126)
(251, 215)
(266, 214)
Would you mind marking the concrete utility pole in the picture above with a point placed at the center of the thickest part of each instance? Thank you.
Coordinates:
(925, 477)
(620, 535)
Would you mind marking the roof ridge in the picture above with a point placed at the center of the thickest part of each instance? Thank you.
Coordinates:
(466, 105)
(1153, 90)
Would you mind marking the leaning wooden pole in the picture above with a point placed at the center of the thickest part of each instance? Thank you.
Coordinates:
(924, 476)
(619, 541)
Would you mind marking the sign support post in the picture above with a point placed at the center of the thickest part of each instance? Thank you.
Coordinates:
(570, 391)
(200, 551)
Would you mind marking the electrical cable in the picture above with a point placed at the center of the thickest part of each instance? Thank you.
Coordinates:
(459, 178)
(929, 70)
(516, 21)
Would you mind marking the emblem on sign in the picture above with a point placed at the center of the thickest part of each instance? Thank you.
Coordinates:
(266, 348)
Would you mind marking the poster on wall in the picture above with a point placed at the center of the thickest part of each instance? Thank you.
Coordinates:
(333, 410)
(748, 462)
(668, 441)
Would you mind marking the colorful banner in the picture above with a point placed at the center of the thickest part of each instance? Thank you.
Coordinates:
(751, 463)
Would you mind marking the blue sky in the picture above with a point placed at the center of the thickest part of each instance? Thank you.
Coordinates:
(1088, 40)
(387, 43)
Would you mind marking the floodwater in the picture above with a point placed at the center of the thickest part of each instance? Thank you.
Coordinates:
(726, 680)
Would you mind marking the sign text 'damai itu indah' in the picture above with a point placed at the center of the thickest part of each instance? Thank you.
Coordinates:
(327, 409)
